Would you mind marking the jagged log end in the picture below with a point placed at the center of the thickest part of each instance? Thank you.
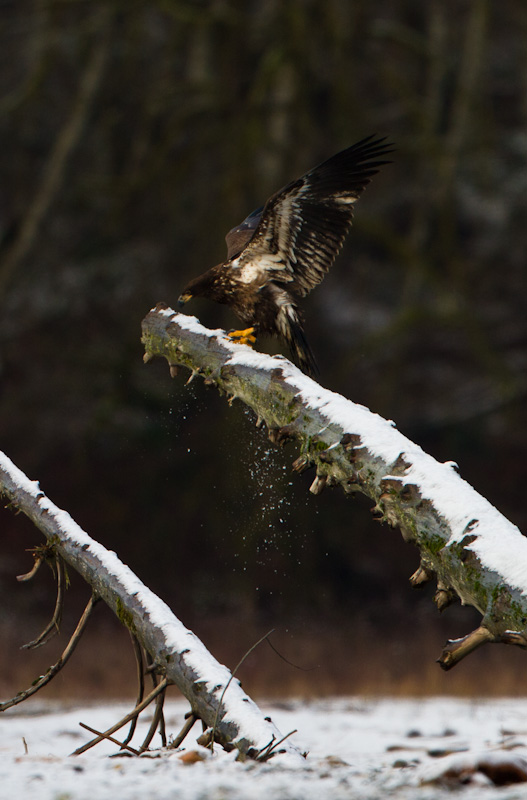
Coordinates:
(148, 338)
(457, 649)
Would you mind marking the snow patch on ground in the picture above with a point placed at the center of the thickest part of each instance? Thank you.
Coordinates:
(360, 749)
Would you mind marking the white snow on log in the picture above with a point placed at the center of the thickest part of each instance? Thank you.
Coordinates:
(253, 358)
(241, 354)
(179, 640)
(19, 477)
(193, 325)
(499, 545)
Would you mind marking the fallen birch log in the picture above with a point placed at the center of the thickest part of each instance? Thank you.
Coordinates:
(179, 656)
(465, 543)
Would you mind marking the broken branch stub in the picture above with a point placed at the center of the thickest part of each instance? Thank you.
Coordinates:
(472, 550)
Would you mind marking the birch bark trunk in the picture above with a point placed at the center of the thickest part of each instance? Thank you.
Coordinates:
(464, 542)
(177, 652)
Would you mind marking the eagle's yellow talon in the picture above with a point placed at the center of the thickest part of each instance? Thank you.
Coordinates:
(243, 337)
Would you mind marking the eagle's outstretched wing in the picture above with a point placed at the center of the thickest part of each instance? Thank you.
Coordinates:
(242, 234)
(297, 236)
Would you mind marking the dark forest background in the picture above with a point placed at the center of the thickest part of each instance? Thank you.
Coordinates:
(133, 135)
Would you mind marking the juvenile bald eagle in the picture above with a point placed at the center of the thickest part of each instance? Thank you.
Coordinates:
(283, 250)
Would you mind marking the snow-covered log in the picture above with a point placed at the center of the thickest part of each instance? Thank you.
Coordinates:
(465, 543)
(214, 695)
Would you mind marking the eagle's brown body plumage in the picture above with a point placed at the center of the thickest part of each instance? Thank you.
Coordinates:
(282, 251)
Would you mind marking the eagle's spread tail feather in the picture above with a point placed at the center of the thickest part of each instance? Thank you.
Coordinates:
(302, 353)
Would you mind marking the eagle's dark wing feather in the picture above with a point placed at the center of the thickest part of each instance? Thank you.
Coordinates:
(242, 234)
(302, 227)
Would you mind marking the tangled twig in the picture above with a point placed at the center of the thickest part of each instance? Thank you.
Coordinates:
(270, 750)
(235, 670)
(138, 650)
(191, 718)
(39, 558)
(107, 736)
(52, 671)
(161, 687)
(53, 627)
(158, 720)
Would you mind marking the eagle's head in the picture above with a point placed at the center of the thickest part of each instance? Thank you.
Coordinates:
(184, 298)
(204, 286)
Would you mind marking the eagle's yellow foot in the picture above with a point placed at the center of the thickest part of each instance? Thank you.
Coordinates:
(246, 336)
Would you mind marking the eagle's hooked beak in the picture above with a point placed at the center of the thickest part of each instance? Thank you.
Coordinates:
(183, 298)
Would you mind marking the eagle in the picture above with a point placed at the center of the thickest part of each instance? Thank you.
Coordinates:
(281, 251)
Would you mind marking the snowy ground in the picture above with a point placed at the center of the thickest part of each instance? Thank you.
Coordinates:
(357, 749)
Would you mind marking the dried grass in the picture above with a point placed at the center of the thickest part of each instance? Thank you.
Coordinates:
(345, 658)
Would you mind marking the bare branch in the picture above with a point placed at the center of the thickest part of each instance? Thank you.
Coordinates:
(53, 627)
(185, 730)
(157, 720)
(272, 748)
(52, 671)
(138, 650)
(235, 670)
(27, 576)
(161, 687)
(122, 745)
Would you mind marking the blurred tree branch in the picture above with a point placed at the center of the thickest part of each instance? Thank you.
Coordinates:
(38, 46)
(68, 137)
